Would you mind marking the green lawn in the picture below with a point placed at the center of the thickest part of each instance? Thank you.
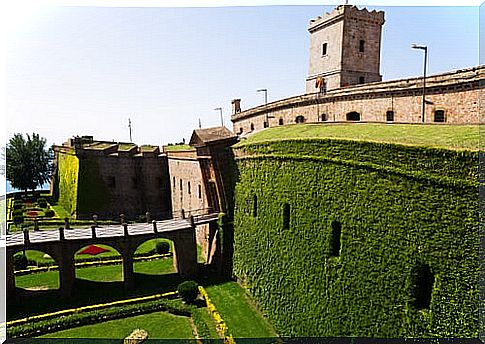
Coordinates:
(241, 316)
(442, 136)
(159, 325)
(178, 147)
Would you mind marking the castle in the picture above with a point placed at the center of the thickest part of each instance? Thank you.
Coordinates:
(344, 83)
(332, 237)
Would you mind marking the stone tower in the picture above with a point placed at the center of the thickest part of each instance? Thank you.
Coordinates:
(345, 47)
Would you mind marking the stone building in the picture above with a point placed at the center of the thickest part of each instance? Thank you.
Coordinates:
(344, 83)
(108, 179)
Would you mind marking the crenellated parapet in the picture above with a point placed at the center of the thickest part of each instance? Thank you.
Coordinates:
(349, 12)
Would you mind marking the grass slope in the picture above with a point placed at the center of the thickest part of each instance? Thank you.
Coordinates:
(159, 325)
(439, 136)
(237, 310)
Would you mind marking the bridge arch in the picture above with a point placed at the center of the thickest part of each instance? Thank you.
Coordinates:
(26, 281)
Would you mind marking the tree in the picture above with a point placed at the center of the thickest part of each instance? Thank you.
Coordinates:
(28, 162)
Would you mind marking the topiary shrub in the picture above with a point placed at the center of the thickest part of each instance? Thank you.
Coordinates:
(42, 202)
(162, 247)
(49, 213)
(20, 262)
(17, 219)
(188, 291)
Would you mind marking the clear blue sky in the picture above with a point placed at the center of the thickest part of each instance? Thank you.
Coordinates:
(85, 70)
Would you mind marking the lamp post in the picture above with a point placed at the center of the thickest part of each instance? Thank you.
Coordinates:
(425, 48)
(265, 94)
(266, 120)
(222, 120)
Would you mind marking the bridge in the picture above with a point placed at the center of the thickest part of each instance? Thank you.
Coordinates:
(62, 245)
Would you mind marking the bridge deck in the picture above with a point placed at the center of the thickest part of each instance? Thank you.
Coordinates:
(109, 231)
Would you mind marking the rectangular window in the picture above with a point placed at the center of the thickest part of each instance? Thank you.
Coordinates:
(188, 188)
(361, 80)
(324, 49)
(112, 182)
(174, 183)
(390, 116)
(439, 116)
(181, 185)
(361, 46)
(200, 191)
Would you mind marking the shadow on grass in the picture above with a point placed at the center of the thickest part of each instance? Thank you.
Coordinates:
(88, 292)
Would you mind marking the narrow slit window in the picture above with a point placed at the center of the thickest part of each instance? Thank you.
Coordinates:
(422, 284)
(335, 239)
(189, 191)
(255, 206)
(252, 126)
(173, 182)
(199, 191)
(181, 184)
(286, 216)
(324, 49)
(361, 46)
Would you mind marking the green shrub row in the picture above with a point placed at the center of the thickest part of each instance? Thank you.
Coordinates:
(394, 217)
(38, 328)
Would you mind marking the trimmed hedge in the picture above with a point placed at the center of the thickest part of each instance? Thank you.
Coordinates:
(68, 170)
(397, 207)
(33, 329)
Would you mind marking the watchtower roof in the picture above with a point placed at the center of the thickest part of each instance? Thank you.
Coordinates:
(210, 135)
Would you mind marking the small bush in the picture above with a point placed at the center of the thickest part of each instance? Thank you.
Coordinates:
(49, 213)
(18, 205)
(20, 262)
(42, 202)
(162, 247)
(188, 291)
(17, 219)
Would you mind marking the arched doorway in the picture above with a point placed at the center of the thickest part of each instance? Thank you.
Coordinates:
(299, 119)
(353, 116)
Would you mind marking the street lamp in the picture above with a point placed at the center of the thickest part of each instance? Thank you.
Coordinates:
(266, 120)
(425, 48)
(265, 94)
(222, 120)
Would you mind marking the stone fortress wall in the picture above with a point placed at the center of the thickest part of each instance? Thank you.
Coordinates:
(344, 83)
(451, 97)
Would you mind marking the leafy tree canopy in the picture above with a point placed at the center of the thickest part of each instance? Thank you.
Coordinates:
(28, 161)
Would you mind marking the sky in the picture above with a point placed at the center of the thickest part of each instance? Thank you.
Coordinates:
(85, 70)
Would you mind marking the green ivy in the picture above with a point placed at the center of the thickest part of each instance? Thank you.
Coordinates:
(398, 207)
(68, 170)
(93, 193)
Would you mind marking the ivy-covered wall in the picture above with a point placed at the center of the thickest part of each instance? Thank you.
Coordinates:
(94, 196)
(398, 208)
(68, 172)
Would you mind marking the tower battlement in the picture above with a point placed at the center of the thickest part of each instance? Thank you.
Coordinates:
(350, 12)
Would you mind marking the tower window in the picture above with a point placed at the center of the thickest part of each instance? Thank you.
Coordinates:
(112, 182)
(286, 216)
(200, 191)
(252, 126)
(180, 185)
(439, 116)
(361, 46)
(335, 239)
(280, 122)
(324, 49)
(390, 116)
(361, 80)
(265, 124)
(422, 283)
(188, 188)
(173, 182)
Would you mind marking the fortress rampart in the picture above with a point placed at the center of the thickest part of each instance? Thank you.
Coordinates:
(451, 97)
